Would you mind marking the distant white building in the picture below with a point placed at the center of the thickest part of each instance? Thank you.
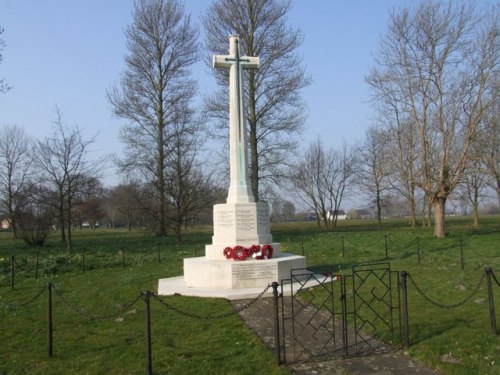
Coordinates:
(330, 215)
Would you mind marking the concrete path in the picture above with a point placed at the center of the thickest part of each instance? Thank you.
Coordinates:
(259, 318)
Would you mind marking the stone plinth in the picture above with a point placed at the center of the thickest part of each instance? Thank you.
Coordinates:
(229, 274)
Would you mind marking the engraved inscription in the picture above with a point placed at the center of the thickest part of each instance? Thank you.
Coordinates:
(224, 219)
(253, 271)
(245, 220)
(262, 215)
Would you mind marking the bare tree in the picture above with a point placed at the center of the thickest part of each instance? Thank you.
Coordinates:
(124, 199)
(33, 214)
(402, 162)
(89, 203)
(441, 60)
(472, 185)
(66, 168)
(373, 168)
(16, 162)
(275, 112)
(154, 90)
(489, 142)
(3, 86)
(188, 189)
(402, 141)
(322, 179)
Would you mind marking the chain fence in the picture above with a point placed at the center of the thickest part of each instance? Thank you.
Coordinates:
(444, 306)
(144, 295)
(81, 311)
(148, 296)
(15, 306)
(495, 278)
(40, 264)
(351, 246)
(213, 317)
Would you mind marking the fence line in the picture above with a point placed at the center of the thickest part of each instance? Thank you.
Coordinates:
(144, 295)
(213, 317)
(488, 275)
(25, 303)
(147, 296)
(350, 246)
(55, 264)
(443, 306)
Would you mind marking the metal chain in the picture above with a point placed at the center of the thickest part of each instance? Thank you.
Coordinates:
(22, 304)
(80, 311)
(401, 247)
(409, 245)
(45, 256)
(443, 306)
(495, 278)
(213, 317)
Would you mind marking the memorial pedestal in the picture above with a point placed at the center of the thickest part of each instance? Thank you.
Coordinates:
(232, 280)
(228, 274)
(242, 224)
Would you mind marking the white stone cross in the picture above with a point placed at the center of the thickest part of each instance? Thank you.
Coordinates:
(239, 188)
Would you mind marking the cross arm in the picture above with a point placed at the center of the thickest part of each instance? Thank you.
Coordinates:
(220, 61)
(250, 62)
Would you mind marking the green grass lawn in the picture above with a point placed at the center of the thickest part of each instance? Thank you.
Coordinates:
(108, 269)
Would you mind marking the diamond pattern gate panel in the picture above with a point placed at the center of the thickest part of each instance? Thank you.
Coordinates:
(374, 294)
(310, 327)
(324, 315)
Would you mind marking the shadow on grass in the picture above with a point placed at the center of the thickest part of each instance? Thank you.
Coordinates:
(420, 332)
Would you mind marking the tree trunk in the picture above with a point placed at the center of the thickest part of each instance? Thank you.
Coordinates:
(413, 212)
(379, 210)
(475, 210)
(178, 234)
(63, 225)
(439, 204)
(12, 222)
(70, 241)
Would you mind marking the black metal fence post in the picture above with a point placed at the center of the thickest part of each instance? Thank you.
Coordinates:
(489, 271)
(276, 325)
(159, 252)
(344, 317)
(302, 245)
(406, 329)
(49, 320)
(146, 296)
(12, 271)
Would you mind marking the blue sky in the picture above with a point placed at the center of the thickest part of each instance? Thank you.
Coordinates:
(68, 53)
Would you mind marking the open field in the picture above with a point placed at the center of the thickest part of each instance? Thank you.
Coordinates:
(108, 269)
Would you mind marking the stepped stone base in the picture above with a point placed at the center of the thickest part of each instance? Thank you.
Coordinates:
(228, 274)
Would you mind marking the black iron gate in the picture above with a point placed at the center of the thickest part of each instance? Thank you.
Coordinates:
(327, 315)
